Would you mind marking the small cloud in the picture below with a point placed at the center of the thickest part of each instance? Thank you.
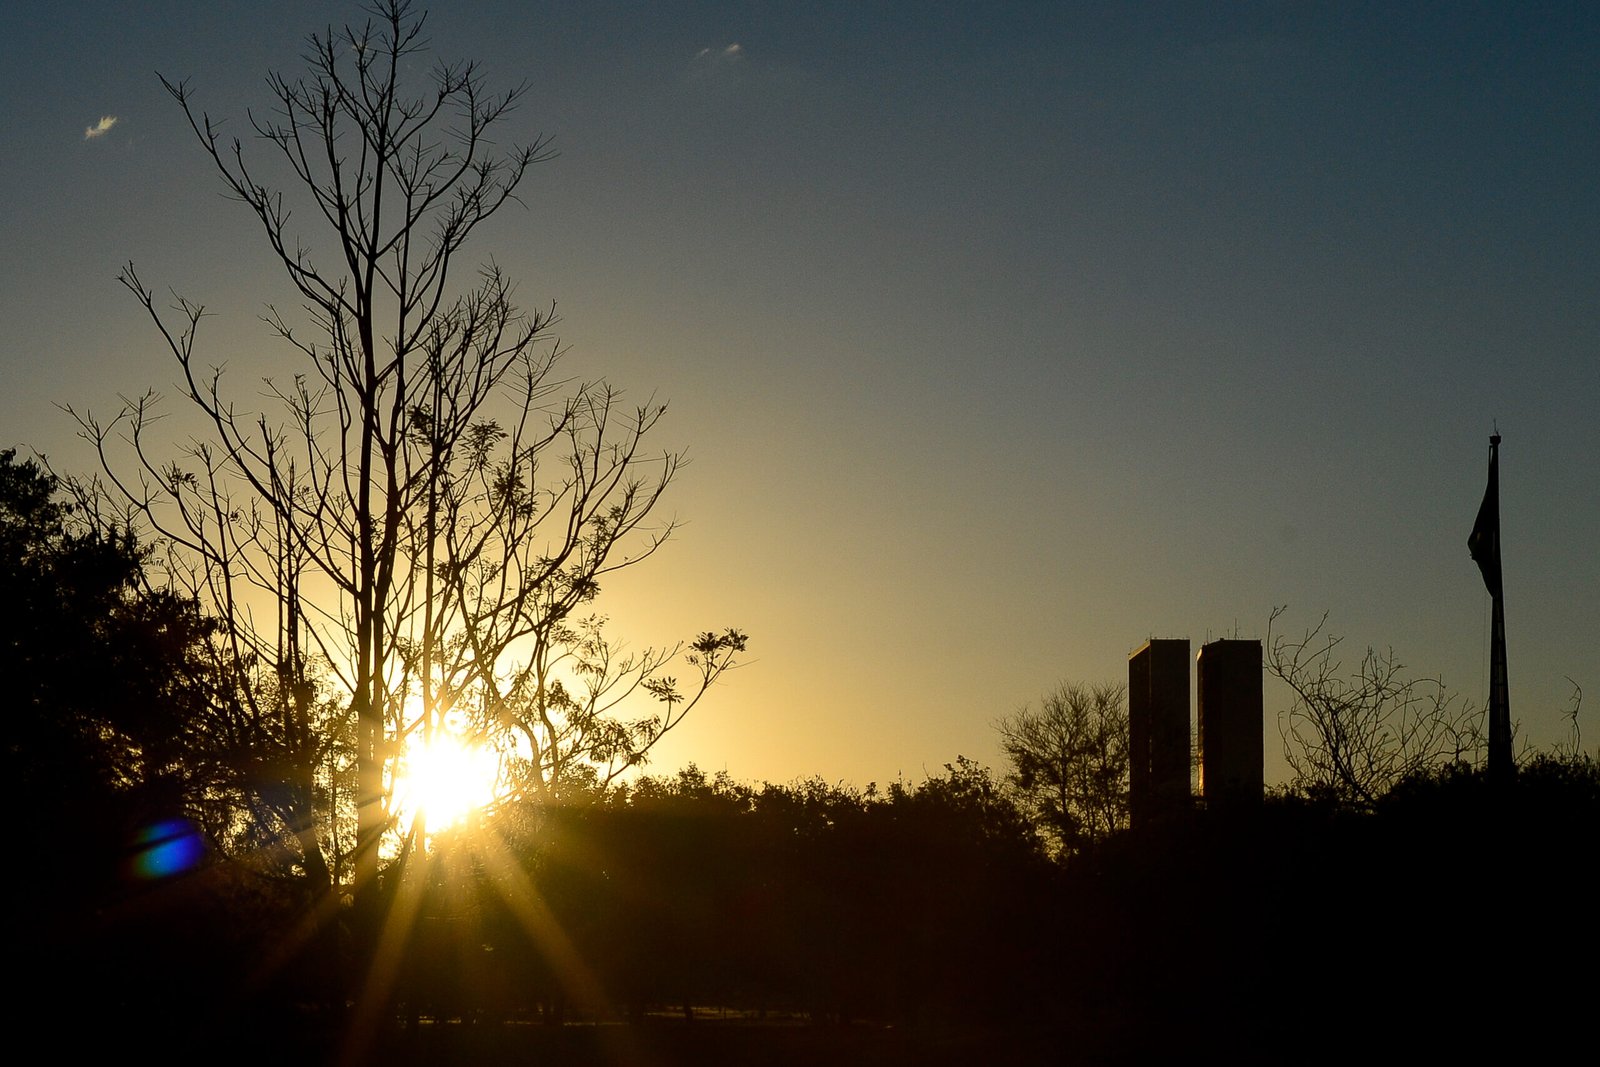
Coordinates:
(101, 128)
(731, 53)
(719, 64)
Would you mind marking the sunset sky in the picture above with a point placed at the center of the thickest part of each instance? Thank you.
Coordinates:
(1001, 337)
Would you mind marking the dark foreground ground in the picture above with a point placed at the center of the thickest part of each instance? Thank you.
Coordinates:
(667, 1044)
(650, 1044)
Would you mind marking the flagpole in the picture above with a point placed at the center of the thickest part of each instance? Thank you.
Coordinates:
(1502, 764)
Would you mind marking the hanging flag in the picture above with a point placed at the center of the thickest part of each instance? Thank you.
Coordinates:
(1484, 544)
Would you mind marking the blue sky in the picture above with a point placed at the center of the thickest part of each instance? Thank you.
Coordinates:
(1002, 337)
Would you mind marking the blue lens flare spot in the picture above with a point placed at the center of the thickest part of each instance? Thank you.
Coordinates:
(169, 847)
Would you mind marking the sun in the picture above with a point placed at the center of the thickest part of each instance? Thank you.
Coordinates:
(446, 779)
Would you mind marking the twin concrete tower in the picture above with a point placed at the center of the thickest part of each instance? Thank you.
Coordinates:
(1228, 676)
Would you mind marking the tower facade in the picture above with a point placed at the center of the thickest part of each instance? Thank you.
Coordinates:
(1228, 681)
(1158, 729)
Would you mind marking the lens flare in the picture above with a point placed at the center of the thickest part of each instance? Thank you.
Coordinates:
(163, 849)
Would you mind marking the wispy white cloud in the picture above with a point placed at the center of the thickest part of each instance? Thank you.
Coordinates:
(727, 54)
(101, 128)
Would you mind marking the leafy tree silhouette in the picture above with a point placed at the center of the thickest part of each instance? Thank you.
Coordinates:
(1069, 763)
(102, 678)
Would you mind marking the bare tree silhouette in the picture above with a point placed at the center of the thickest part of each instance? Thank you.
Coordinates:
(419, 526)
(1353, 737)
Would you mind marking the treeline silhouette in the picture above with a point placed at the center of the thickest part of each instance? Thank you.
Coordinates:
(929, 909)
(922, 921)
(836, 903)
